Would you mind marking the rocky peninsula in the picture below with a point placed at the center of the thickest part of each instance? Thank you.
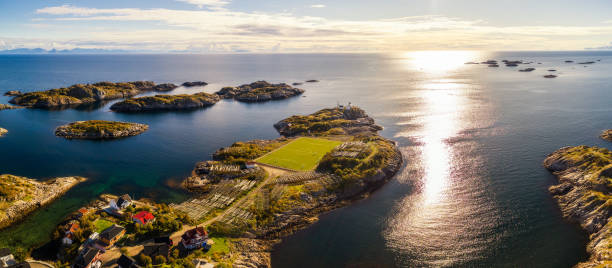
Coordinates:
(584, 195)
(86, 93)
(99, 130)
(19, 195)
(8, 107)
(166, 103)
(254, 205)
(259, 91)
(12, 93)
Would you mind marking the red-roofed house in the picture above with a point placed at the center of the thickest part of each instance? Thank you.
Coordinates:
(143, 217)
(194, 238)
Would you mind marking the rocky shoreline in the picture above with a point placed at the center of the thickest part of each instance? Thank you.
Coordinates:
(259, 249)
(583, 193)
(36, 195)
(166, 103)
(99, 130)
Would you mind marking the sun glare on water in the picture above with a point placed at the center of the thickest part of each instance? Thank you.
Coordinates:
(436, 62)
(436, 226)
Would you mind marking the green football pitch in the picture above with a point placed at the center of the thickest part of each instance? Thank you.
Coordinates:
(302, 154)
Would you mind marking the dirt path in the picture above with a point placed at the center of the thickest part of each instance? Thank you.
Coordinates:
(109, 257)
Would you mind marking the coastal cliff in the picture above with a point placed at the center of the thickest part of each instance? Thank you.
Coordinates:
(99, 129)
(166, 102)
(584, 195)
(259, 91)
(19, 196)
(86, 93)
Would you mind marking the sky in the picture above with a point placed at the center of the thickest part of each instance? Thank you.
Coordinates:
(306, 26)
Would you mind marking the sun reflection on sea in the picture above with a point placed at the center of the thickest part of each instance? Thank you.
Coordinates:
(436, 225)
(437, 62)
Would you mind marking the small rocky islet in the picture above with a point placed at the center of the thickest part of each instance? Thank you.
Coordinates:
(99, 130)
(86, 93)
(259, 91)
(606, 135)
(584, 195)
(3, 131)
(515, 63)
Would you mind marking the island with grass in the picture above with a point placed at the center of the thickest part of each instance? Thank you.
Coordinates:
(99, 130)
(86, 93)
(166, 103)
(584, 195)
(256, 192)
(259, 91)
(19, 195)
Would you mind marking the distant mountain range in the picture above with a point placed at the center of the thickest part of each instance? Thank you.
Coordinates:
(63, 51)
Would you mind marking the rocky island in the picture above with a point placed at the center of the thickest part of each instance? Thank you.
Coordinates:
(194, 84)
(99, 130)
(259, 91)
(19, 195)
(166, 102)
(3, 131)
(254, 193)
(86, 93)
(606, 135)
(583, 193)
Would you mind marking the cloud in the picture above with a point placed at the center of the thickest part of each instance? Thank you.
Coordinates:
(317, 6)
(208, 3)
(216, 29)
(608, 47)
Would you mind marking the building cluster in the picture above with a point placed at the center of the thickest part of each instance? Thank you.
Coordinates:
(91, 251)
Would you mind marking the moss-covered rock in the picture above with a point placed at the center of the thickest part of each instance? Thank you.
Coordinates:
(86, 93)
(584, 195)
(259, 91)
(99, 129)
(166, 102)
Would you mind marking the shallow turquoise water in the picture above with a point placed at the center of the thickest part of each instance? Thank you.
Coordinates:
(473, 192)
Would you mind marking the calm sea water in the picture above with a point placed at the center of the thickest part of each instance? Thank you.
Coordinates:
(472, 192)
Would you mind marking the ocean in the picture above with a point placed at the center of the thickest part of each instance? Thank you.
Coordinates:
(472, 191)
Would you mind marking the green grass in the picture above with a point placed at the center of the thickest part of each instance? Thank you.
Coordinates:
(220, 245)
(301, 154)
(101, 224)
